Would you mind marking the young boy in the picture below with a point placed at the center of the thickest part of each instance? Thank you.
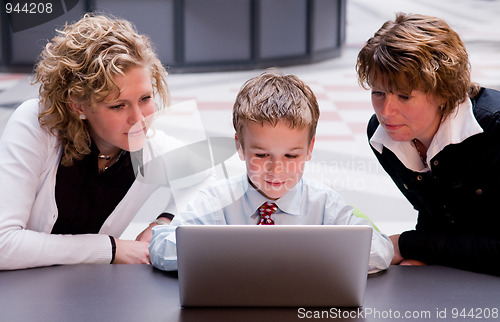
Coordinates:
(275, 118)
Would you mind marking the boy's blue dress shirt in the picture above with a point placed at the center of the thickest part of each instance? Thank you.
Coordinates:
(235, 202)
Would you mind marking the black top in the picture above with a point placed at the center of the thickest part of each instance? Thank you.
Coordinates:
(86, 198)
(457, 201)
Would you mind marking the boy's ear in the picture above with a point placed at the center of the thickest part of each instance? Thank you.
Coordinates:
(310, 148)
(239, 147)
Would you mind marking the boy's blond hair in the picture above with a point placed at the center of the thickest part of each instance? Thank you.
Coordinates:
(273, 97)
(79, 64)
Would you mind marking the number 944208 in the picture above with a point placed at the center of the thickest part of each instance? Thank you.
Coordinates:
(30, 8)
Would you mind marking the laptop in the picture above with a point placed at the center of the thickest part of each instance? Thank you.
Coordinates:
(241, 265)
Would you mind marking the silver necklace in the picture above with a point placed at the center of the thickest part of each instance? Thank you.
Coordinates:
(112, 159)
(104, 157)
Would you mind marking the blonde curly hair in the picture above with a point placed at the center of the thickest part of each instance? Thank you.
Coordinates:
(78, 66)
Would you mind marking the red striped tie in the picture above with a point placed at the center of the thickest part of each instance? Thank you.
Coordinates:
(265, 212)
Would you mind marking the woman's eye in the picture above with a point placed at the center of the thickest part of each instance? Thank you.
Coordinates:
(117, 107)
(404, 97)
(147, 98)
(260, 155)
(291, 156)
(376, 93)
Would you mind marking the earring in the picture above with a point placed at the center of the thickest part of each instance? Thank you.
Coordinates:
(83, 117)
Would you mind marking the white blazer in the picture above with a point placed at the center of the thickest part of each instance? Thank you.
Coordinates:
(29, 158)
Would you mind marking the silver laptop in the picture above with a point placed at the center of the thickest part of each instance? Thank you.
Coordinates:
(233, 265)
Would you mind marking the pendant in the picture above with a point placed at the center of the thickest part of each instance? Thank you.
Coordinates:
(104, 157)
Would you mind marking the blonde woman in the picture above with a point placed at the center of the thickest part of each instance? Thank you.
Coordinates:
(68, 187)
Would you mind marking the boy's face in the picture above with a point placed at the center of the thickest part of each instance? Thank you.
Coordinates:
(274, 156)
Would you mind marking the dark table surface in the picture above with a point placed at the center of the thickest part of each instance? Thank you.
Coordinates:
(143, 293)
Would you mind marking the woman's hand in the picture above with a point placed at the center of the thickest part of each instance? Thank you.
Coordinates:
(131, 252)
(397, 255)
(398, 259)
(412, 262)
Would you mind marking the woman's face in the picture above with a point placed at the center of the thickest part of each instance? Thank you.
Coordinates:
(405, 117)
(120, 123)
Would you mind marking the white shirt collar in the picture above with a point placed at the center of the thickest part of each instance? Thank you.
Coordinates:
(456, 128)
(288, 203)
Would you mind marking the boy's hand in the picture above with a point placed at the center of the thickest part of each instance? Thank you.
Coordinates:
(147, 233)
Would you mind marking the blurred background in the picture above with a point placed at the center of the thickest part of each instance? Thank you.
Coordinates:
(211, 47)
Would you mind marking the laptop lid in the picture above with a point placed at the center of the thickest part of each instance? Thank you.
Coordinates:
(233, 265)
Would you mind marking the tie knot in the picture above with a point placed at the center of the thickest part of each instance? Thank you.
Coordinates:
(265, 212)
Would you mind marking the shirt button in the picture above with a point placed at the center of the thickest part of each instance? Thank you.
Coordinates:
(420, 178)
(436, 162)
(479, 191)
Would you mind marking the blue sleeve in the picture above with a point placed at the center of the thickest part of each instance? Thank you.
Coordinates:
(204, 210)
(162, 248)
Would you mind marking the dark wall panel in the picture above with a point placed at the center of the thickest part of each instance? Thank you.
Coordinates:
(153, 18)
(200, 35)
(282, 28)
(217, 30)
(27, 44)
(325, 25)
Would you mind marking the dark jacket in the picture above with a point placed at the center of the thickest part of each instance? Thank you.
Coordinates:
(458, 201)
